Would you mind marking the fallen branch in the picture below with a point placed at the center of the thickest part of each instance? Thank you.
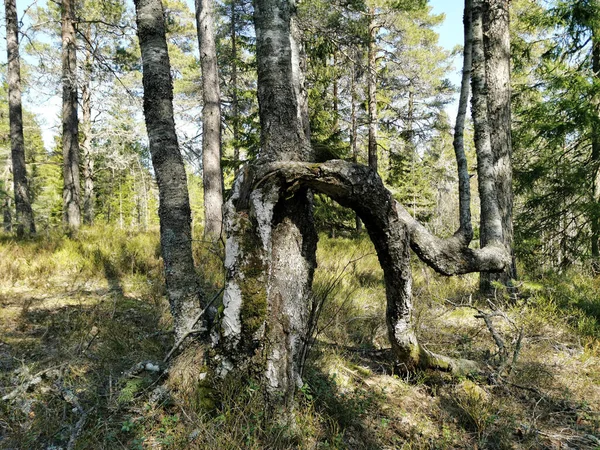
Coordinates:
(33, 380)
(73, 400)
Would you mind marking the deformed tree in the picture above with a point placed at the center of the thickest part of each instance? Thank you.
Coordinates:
(25, 222)
(174, 209)
(271, 242)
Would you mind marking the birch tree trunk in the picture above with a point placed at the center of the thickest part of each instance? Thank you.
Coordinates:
(211, 121)
(271, 239)
(25, 222)
(70, 122)
(496, 44)
(174, 207)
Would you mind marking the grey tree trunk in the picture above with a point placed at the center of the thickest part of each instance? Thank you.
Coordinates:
(70, 123)
(25, 221)
(393, 232)
(211, 122)
(372, 89)
(354, 130)
(271, 239)
(464, 185)
(496, 45)
(174, 208)
(491, 220)
(86, 144)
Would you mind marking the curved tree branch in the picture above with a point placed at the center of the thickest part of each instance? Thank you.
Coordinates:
(361, 189)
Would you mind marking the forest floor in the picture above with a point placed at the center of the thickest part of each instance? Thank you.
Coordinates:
(78, 316)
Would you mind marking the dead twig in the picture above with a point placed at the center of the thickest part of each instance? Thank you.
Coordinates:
(191, 327)
(32, 381)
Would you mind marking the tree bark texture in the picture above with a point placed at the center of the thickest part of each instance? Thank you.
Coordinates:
(174, 207)
(86, 143)
(25, 221)
(464, 185)
(394, 232)
(281, 96)
(271, 238)
(496, 44)
(70, 122)
(491, 220)
(211, 121)
(372, 89)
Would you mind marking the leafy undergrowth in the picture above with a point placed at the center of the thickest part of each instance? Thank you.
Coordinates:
(77, 314)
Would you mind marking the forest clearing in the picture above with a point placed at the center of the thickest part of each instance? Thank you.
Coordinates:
(78, 315)
(235, 224)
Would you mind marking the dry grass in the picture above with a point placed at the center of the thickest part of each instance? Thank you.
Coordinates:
(85, 310)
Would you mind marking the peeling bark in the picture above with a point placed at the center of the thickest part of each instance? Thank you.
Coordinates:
(271, 237)
(174, 207)
(393, 232)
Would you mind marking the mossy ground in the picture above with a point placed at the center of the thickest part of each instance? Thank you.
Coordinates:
(91, 307)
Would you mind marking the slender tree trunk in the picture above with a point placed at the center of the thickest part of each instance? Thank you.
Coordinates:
(497, 69)
(235, 107)
(491, 220)
(211, 122)
(465, 229)
(336, 113)
(271, 239)
(595, 161)
(25, 222)
(86, 144)
(354, 131)
(174, 208)
(70, 123)
(372, 89)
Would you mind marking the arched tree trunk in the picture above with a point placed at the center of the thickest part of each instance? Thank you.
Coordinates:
(393, 232)
(25, 222)
(212, 179)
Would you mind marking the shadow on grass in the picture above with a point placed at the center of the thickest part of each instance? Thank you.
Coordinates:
(86, 344)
